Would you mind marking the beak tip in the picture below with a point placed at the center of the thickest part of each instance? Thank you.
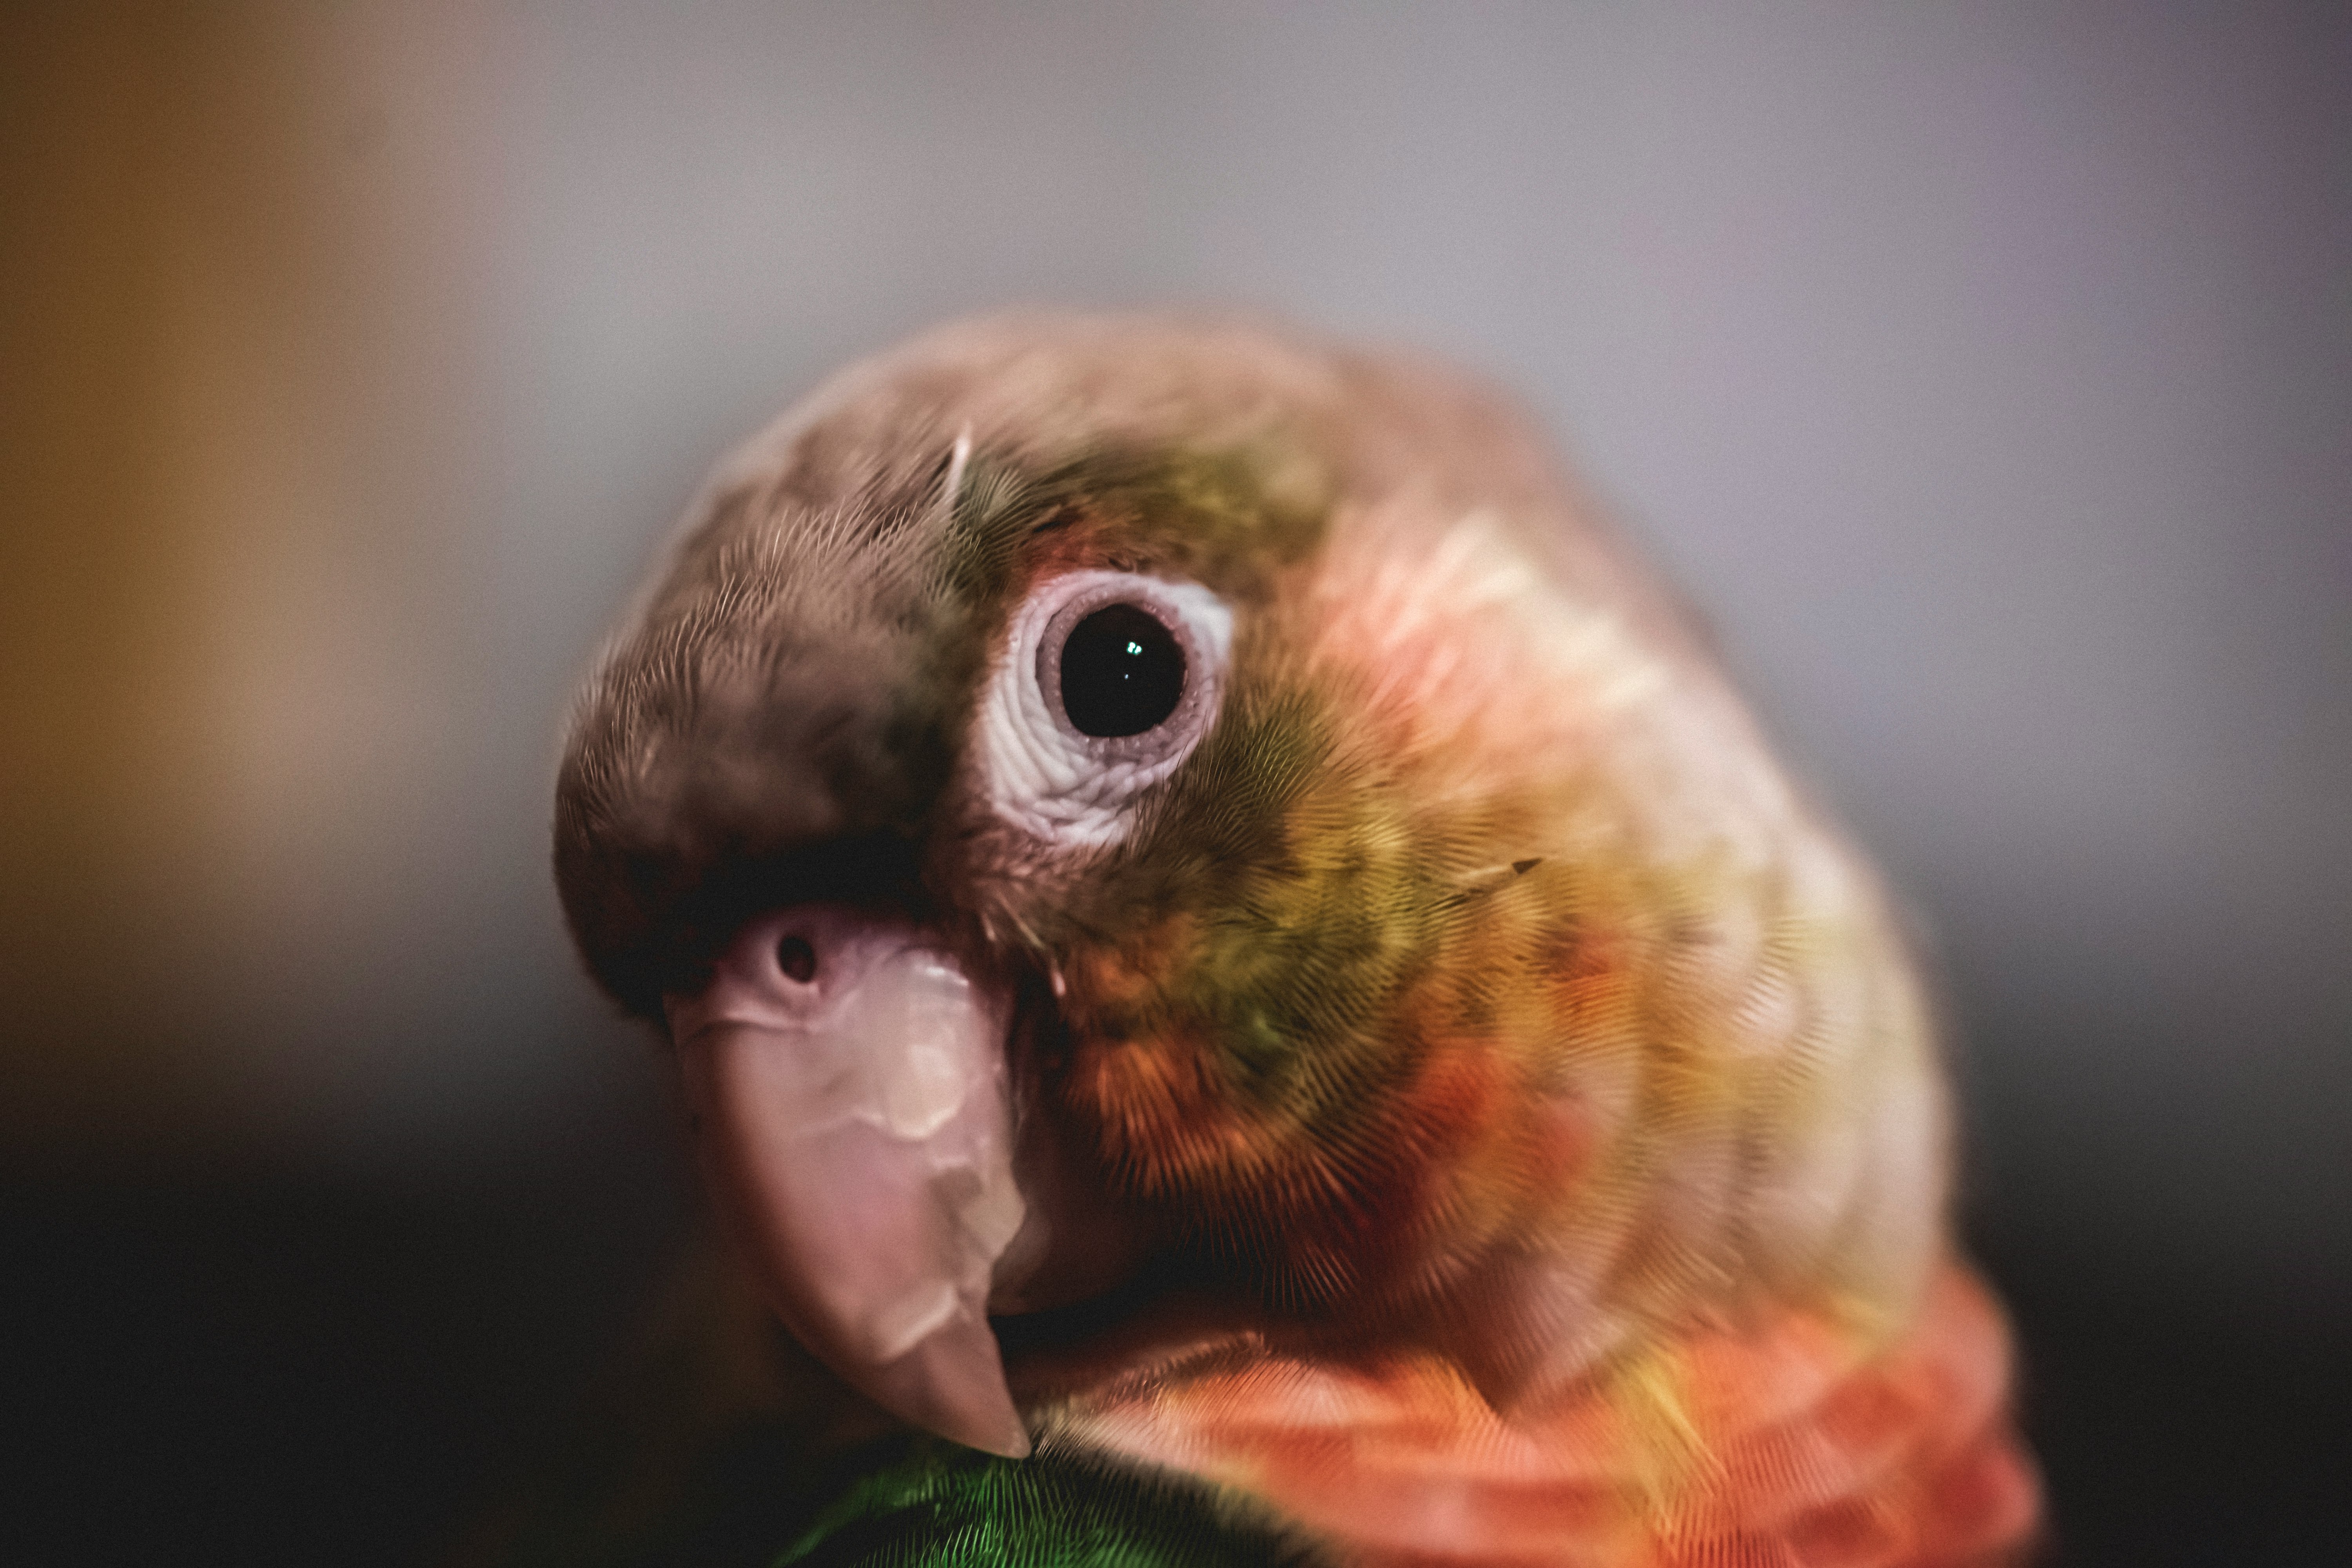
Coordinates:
(1010, 1443)
(951, 1384)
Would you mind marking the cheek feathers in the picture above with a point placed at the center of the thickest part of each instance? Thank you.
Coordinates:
(1630, 987)
(1473, 670)
(1516, 941)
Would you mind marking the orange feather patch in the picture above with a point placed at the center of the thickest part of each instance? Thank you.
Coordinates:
(1792, 1444)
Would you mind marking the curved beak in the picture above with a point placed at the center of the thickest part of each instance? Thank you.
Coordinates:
(849, 1089)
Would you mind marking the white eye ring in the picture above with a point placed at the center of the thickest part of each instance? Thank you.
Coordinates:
(1041, 772)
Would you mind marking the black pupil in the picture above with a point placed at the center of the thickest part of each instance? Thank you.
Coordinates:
(1122, 672)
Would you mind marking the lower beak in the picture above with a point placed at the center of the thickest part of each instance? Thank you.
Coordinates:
(848, 1083)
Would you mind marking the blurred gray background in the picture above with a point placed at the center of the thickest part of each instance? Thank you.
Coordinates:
(1984, 372)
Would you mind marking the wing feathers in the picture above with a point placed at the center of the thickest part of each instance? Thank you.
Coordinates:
(1793, 1444)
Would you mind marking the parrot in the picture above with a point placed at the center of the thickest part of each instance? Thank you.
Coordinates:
(1244, 988)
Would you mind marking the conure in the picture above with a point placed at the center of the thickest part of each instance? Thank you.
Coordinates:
(1247, 989)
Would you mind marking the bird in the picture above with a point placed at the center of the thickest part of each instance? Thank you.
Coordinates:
(1243, 987)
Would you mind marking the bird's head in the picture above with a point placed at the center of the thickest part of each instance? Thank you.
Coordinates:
(1114, 810)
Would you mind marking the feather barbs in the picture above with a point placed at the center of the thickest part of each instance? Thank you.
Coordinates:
(1786, 1442)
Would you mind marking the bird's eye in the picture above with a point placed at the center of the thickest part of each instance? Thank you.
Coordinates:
(1122, 672)
(1109, 679)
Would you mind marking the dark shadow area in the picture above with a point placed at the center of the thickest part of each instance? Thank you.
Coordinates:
(295, 1367)
(2170, 1432)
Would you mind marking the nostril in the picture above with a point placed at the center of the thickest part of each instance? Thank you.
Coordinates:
(797, 959)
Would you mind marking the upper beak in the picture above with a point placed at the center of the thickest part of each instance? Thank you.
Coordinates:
(848, 1081)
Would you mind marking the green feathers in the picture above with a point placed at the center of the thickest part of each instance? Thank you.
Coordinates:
(924, 1503)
